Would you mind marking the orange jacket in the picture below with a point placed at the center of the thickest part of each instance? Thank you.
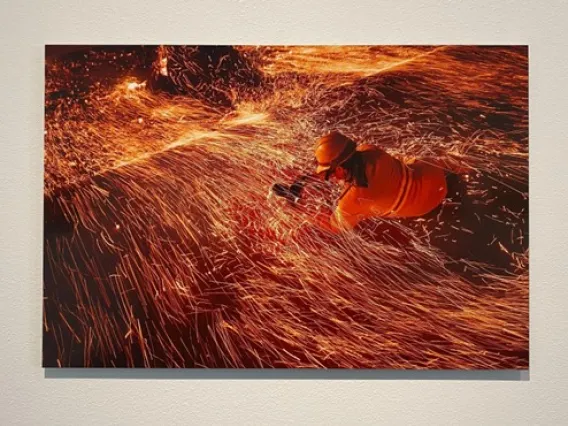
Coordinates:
(394, 189)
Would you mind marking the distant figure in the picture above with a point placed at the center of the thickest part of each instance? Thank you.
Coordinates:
(375, 183)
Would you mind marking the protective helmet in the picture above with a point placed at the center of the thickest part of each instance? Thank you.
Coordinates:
(333, 150)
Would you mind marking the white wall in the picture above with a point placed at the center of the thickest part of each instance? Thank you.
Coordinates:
(27, 396)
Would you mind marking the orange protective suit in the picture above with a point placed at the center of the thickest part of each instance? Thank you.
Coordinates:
(394, 190)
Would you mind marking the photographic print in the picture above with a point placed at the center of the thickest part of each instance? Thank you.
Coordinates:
(354, 207)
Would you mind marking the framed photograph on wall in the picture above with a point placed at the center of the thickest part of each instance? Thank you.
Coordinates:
(353, 207)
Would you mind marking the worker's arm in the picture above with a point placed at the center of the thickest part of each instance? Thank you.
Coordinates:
(336, 222)
(344, 221)
(346, 216)
(325, 222)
